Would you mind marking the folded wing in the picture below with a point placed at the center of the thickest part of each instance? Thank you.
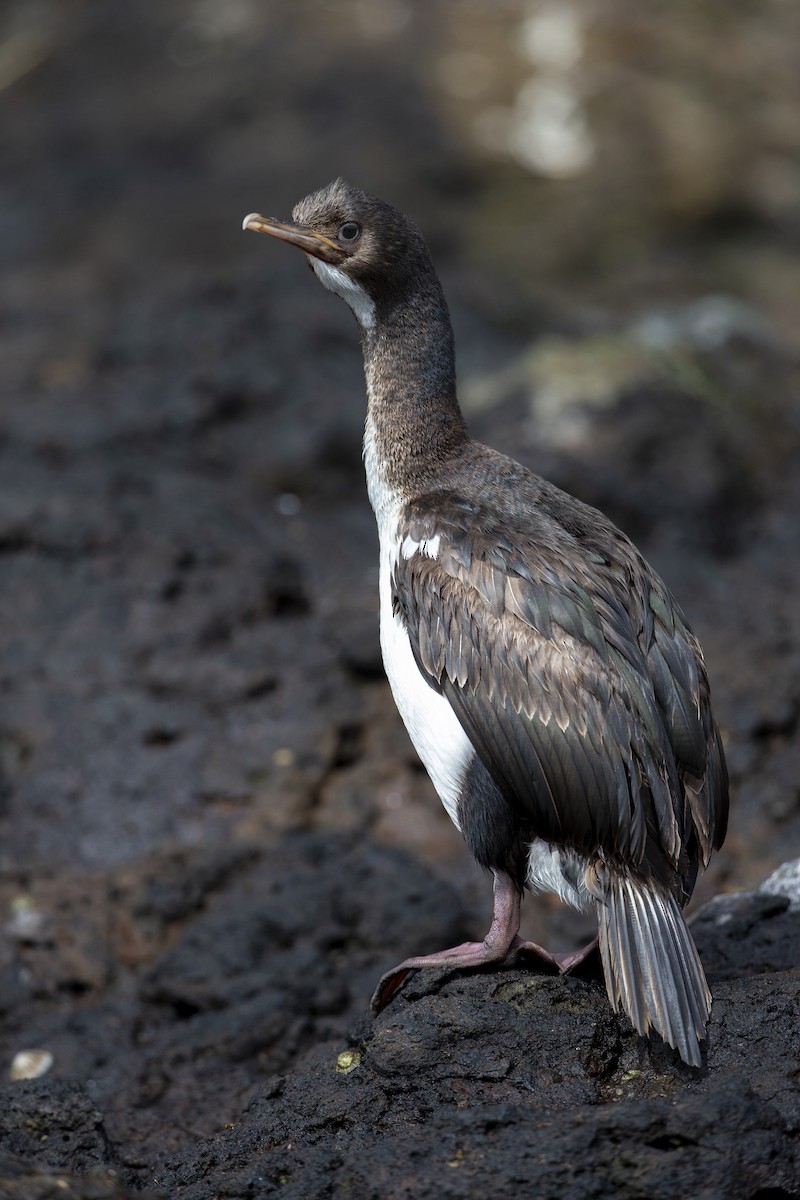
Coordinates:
(575, 677)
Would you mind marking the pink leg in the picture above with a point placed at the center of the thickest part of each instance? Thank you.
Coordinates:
(500, 944)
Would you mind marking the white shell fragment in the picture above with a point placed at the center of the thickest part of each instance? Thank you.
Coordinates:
(30, 1064)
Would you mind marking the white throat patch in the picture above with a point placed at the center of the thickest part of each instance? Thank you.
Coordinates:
(336, 281)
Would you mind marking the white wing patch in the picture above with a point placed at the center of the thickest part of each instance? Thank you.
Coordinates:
(429, 547)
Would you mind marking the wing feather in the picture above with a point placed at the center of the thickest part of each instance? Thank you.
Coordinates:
(581, 689)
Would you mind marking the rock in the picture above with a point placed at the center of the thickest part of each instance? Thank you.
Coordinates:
(473, 1084)
(784, 882)
(464, 1084)
(213, 835)
(52, 1121)
(751, 933)
(21, 1182)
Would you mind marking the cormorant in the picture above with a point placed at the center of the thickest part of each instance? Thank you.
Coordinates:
(548, 679)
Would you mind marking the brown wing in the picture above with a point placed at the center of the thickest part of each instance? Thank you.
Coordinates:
(575, 677)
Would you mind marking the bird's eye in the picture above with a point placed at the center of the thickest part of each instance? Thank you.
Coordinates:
(349, 232)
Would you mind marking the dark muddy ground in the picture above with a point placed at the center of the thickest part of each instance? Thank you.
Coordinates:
(214, 833)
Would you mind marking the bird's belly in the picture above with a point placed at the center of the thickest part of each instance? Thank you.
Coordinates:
(433, 727)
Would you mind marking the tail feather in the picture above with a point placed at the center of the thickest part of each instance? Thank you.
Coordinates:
(651, 966)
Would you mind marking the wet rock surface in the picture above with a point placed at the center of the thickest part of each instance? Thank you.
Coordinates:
(214, 836)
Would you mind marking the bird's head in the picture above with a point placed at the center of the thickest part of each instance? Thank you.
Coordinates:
(360, 247)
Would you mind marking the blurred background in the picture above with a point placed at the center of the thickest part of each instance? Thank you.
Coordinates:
(188, 613)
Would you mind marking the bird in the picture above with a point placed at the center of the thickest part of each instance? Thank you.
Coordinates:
(547, 678)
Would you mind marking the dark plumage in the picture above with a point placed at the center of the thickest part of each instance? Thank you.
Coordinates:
(547, 677)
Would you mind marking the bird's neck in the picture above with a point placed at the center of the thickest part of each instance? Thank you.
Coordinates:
(415, 430)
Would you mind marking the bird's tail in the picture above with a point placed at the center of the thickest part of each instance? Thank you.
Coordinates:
(651, 965)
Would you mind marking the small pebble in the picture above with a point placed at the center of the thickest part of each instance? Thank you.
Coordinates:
(26, 922)
(288, 504)
(347, 1061)
(30, 1064)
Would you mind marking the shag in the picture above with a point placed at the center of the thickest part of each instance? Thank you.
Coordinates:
(547, 678)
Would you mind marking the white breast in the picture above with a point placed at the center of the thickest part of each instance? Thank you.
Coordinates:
(432, 725)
